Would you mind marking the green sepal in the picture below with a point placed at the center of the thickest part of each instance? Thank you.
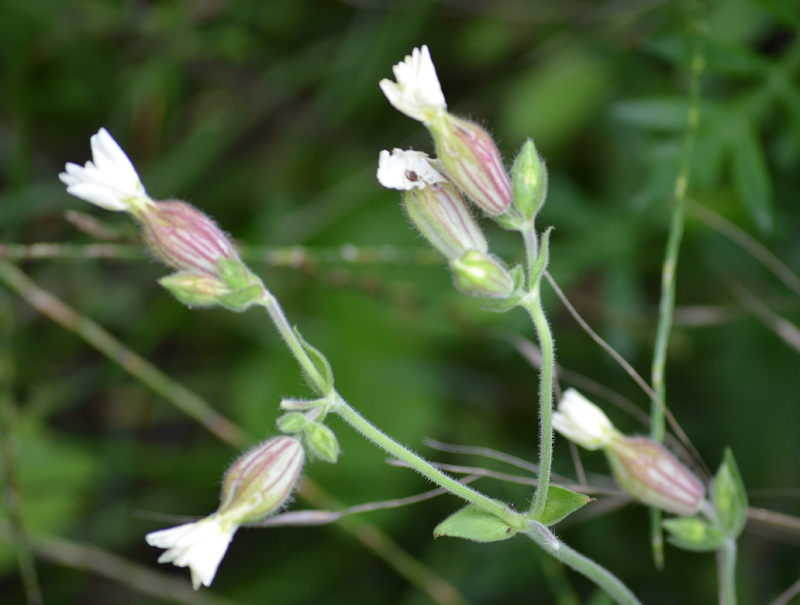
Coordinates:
(293, 422)
(320, 364)
(235, 273)
(693, 533)
(476, 524)
(513, 220)
(560, 503)
(501, 306)
(322, 443)
(242, 299)
(195, 289)
(729, 497)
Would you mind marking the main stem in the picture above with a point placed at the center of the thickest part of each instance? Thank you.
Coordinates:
(533, 304)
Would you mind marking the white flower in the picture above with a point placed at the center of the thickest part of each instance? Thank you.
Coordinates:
(417, 92)
(582, 422)
(199, 546)
(406, 170)
(109, 181)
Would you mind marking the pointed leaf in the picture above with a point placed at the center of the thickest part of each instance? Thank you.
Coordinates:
(729, 497)
(751, 178)
(474, 523)
(561, 502)
(320, 364)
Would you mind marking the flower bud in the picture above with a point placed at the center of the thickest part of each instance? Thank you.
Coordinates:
(582, 422)
(260, 481)
(322, 442)
(472, 161)
(480, 274)
(650, 473)
(257, 484)
(186, 239)
(529, 181)
(433, 204)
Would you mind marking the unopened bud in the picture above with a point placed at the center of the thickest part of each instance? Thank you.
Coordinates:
(472, 161)
(322, 443)
(443, 218)
(433, 203)
(650, 473)
(186, 239)
(260, 481)
(293, 422)
(529, 181)
(480, 274)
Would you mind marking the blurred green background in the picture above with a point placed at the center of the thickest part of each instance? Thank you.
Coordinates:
(267, 115)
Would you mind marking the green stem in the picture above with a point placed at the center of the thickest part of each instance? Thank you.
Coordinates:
(424, 468)
(531, 240)
(536, 261)
(533, 304)
(273, 307)
(667, 301)
(595, 572)
(726, 568)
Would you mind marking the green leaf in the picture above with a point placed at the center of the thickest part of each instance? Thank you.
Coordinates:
(729, 497)
(476, 524)
(560, 503)
(320, 364)
(693, 533)
(751, 177)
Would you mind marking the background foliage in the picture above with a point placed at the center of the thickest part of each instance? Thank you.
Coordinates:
(267, 115)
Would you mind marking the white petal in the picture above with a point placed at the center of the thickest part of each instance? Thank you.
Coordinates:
(109, 181)
(581, 421)
(406, 170)
(417, 92)
(199, 546)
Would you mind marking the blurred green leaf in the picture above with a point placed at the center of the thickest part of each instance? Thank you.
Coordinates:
(751, 176)
(658, 114)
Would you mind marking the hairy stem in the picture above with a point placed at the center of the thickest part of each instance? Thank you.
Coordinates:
(595, 572)
(536, 261)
